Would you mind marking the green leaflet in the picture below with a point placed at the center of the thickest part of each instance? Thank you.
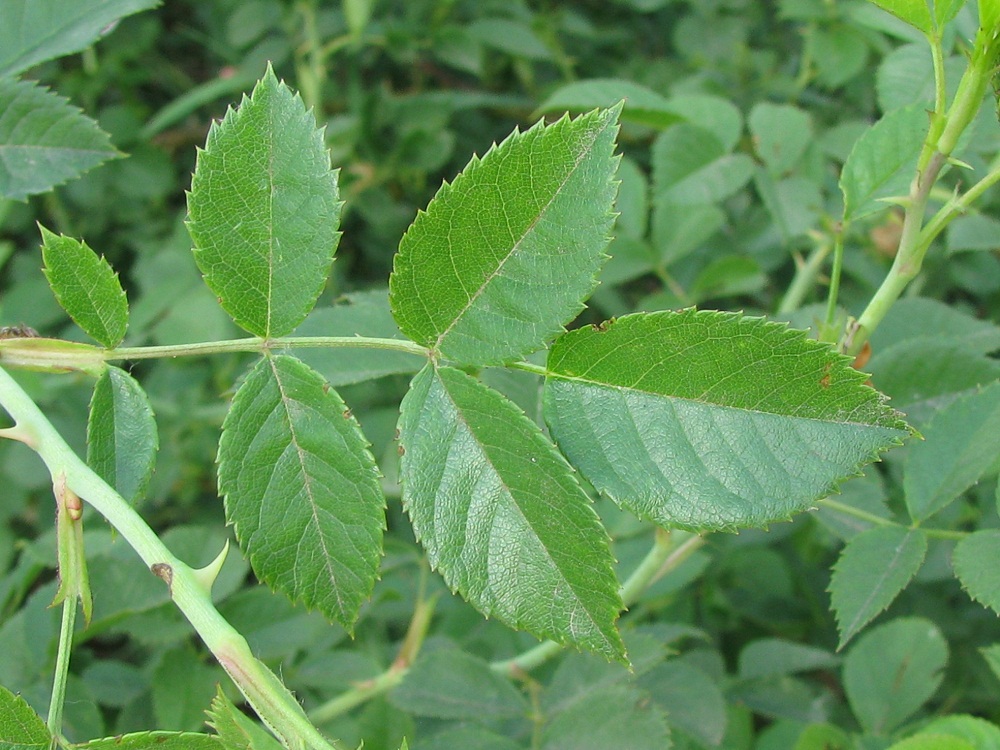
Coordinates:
(917, 13)
(235, 729)
(301, 488)
(691, 166)
(502, 516)
(781, 133)
(37, 30)
(880, 166)
(20, 727)
(121, 434)
(873, 568)
(975, 565)
(619, 717)
(506, 254)
(44, 140)
(264, 210)
(159, 740)
(86, 287)
(710, 420)
(642, 105)
(892, 670)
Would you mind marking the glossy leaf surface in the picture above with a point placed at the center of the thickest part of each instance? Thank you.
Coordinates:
(44, 140)
(506, 254)
(302, 489)
(86, 287)
(264, 210)
(873, 568)
(501, 515)
(710, 420)
(121, 434)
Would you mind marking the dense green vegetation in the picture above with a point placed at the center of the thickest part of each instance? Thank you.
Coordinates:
(825, 164)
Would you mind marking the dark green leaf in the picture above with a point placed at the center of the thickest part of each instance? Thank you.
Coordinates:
(121, 434)
(769, 657)
(642, 105)
(621, 717)
(44, 140)
(679, 416)
(882, 162)
(923, 318)
(182, 686)
(86, 287)
(20, 727)
(892, 671)
(975, 560)
(37, 30)
(692, 700)
(451, 684)
(264, 210)
(302, 489)
(506, 255)
(235, 729)
(159, 740)
(502, 516)
(961, 443)
(873, 568)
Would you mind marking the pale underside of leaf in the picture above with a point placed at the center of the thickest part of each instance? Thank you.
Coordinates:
(501, 515)
(302, 489)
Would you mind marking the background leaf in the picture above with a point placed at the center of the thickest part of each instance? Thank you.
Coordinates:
(781, 134)
(121, 434)
(20, 726)
(501, 515)
(914, 12)
(264, 210)
(692, 166)
(893, 670)
(618, 718)
(86, 287)
(680, 416)
(961, 443)
(302, 489)
(44, 140)
(881, 163)
(873, 568)
(975, 565)
(505, 255)
(642, 105)
(37, 30)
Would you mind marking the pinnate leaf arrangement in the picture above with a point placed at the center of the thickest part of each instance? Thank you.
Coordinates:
(700, 420)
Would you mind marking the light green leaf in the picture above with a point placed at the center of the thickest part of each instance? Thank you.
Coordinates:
(882, 162)
(961, 443)
(451, 684)
(980, 733)
(235, 729)
(86, 287)
(44, 140)
(501, 515)
(781, 134)
(989, 14)
(873, 568)
(20, 727)
(691, 166)
(932, 741)
(505, 255)
(893, 670)
(357, 314)
(301, 488)
(643, 106)
(620, 717)
(914, 12)
(711, 420)
(121, 434)
(975, 561)
(37, 30)
(264, 210)
(159, 740)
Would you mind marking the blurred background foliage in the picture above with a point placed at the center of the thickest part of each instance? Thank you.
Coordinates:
(408, 90)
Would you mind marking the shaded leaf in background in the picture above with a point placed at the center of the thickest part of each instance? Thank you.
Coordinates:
(769, 657)
(467, 738)
(881, 163)
(961, 443)
(873, 568)
(643, 106)
(501, 515)
(691, 166)
(692, 700)
(506, 254)
(974, 560)
(620, 717)
(452, 684)
(20, 727)
(44, 140)
(930, 319)
(780, 134)
(264, 210)
(302, 489)
(711, 420)
(121, 434)
(37, 30)
(86, 287)
(893, 670)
